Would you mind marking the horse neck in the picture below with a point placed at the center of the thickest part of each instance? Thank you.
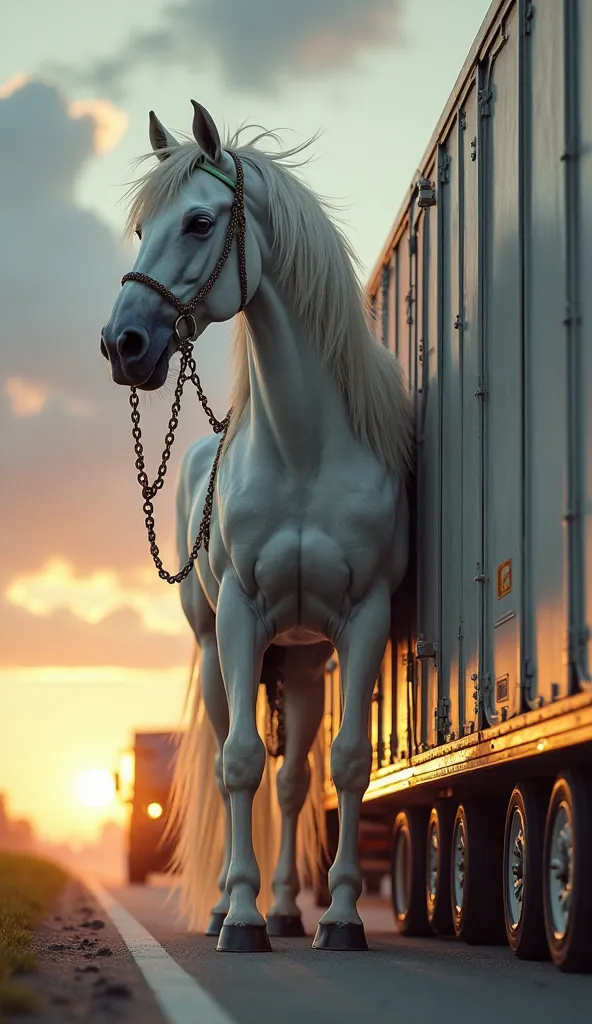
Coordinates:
(294, 401)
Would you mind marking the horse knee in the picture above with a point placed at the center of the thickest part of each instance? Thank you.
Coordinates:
(351, 761)
(293, 780)
(243, 762)
(219, 772)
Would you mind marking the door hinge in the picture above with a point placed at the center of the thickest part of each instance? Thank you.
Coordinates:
(442, 716)
(425, 649)
(529, 10)
(475, 682)
(485, 98)
(444, 167)
(481, 690)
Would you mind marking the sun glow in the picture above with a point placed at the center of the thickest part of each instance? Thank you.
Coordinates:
(95, 788)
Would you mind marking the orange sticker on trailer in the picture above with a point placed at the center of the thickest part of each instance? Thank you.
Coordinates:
(504, 579)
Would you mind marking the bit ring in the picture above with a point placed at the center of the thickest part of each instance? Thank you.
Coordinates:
(188, 319)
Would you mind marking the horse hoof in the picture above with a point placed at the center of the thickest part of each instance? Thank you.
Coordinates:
(215, 923)
(340, 936)
(282, 926)
(243, 938)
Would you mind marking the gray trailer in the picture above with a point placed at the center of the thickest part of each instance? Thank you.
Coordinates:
(481, 721)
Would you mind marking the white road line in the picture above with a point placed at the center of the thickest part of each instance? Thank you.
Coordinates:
(179, 996)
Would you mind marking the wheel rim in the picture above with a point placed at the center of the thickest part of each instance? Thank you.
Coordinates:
(560, 870)
(459, 845)
(401, 873)
(516, 868)
(433, 865)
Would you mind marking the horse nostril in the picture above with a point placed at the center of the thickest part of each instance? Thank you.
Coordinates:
(132, 344)
(104, 348)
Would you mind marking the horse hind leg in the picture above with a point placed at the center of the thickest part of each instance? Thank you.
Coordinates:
(220, 909)
(360, 649)
(303, 711)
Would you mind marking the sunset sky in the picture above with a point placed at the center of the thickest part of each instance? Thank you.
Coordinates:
(92, 643)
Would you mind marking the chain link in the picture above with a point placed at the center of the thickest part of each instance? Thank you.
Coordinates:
(188, 372)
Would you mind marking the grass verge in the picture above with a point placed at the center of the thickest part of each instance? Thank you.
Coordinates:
(28, 887)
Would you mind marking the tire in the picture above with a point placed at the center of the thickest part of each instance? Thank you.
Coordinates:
(408, 866)
(437, 884)
(566, 870)
(522, 871)
(476, 874)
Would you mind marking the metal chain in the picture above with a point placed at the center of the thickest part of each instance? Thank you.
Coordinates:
(236, 225)
(149, 490)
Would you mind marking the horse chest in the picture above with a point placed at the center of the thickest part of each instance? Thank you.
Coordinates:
(303, 558)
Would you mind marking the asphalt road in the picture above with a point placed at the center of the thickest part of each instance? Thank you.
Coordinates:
(398, 980)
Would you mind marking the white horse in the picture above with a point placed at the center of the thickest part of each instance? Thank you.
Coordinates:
(297, 524)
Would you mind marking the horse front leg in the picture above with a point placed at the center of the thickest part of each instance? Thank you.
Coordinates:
(241, 645)
(360, 649)
(216, 704)
(303, 710)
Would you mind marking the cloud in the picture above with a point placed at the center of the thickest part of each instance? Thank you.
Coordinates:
(69, 490)
(94, 597)
(255, 46)
(26, 398)
(110, 122)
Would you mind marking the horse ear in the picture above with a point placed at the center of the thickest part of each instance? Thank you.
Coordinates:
(159, 137)
(205, 132)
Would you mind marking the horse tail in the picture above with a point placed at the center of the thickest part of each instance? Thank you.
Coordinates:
(267, 824)
(197, 819)
(312, 827)
(196, 822)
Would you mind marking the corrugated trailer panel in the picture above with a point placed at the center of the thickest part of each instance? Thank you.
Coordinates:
(449, 662)
(546, 378)
(469, 343)
(500, 209)
(428, 475)
(585, 166)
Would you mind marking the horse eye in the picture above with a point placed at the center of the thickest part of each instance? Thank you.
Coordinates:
(200, 225)
(138, 232)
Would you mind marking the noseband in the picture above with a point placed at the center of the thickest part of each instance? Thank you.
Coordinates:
(188, 371)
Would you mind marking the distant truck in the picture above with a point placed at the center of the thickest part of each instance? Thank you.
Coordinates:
(143, 780)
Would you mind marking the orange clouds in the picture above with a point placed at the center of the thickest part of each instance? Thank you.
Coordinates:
(94, 597)
(110, 122)
(25, 399)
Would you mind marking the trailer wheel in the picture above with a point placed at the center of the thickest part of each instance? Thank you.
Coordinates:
(523, 871)
(567, 879)
(408, 859)
(439, 841)
(476, 874)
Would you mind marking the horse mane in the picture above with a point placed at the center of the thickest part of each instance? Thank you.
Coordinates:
(316, 265)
